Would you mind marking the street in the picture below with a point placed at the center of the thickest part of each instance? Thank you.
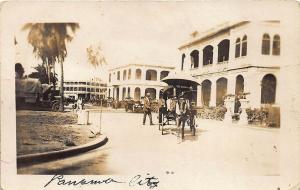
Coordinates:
(217, 150)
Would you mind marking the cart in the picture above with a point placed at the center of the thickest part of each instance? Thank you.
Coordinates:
(181, 90)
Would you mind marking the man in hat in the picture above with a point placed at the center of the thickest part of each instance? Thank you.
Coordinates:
(147, 109)
(161, 108)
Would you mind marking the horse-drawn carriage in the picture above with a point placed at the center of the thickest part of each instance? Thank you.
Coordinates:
(179, 104)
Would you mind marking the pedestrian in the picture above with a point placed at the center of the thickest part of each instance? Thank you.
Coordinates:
(161, 109)
(147, 109)
(181, 111)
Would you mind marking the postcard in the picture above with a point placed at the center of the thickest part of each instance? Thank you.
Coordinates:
(150, 95)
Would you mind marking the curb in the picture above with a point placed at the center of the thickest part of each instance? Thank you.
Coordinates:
(59, 154)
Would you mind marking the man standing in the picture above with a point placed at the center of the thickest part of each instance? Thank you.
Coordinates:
(181, 112)
(161, 109)
(147, 109)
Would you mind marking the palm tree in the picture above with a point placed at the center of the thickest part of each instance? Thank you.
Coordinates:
(49, 44)
(95, 56)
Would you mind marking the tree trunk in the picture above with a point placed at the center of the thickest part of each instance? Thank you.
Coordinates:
(61, 103)
(54, 83)
(49, 73)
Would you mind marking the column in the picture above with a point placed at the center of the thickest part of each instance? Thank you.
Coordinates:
(252, 84)
(213, 94)
(215, 54)
(199, 96)
(200, 58)
(132, 90)
(142, 91)
(157, 92)
(231, 84)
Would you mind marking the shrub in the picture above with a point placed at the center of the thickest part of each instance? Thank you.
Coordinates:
(216, 113)
(257, 115)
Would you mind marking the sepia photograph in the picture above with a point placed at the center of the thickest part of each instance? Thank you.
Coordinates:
(150, 95)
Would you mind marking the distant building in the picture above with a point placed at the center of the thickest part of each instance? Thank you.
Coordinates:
(93, 88)
(234, 58)
(134, 80)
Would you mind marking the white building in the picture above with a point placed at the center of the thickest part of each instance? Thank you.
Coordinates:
(134, 80)
(235, 57)
(93, 88)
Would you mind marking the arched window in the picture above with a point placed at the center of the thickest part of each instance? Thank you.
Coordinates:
(118, 75)
(223, 51)
(109, 93)
(138, 74)
(237, 47)
(244, 46)
(137, 93)
(265, 49)
(164, 74)
(109, 77)
(208, 55)
(276, 45)
(151, 75)
(221, 90)
(194, 59)
(124, 75)
(182, 61)
(206, 91)
(268, 89)
(129, 74)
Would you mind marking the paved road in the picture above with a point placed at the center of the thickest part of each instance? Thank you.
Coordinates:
(217, 150)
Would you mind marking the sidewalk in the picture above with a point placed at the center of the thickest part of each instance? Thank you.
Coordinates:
(42, 131)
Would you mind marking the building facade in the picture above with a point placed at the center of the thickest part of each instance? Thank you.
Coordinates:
(94, 88)
(235, 58)
(135, 80)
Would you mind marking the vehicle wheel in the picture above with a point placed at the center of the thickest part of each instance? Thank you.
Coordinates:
(55, 106)
(74, 106)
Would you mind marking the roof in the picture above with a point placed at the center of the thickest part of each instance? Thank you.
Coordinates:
(142, 65)
(225, 27)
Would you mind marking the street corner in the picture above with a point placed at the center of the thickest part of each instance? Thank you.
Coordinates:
(30, 159)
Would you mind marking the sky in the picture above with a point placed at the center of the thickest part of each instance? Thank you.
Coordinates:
(134, 32)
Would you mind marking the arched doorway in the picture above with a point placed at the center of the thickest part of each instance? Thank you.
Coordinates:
(152, 92)
(221, 91)
(117, 93)
(268, 89)
(123, 93)
(206, 91)
(128, 92)
(137, 93)
(239, 88)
